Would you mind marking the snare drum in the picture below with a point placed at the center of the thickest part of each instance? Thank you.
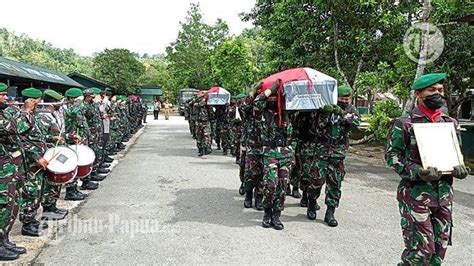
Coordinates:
(62, 165)
(86, 159)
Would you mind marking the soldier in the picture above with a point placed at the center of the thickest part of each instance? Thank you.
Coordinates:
(425, 195)
(203, 126)
(253, 164)
(235, 128)
(11, 173)
(77, 132)
(192, 116)
(278, 155)
(34, 146)
(94, 121)
(219, 115)
(53, 131)
(225, 134)
(334, 124)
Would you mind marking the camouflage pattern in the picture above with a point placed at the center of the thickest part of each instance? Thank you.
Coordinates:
(192, 116)
(50, 128)
(35, 146)
(251, 140)
(226, 142)
(323, 150)
(235, 130)
(203, 126)
(12, 170)
(75, 123)
(278, 154)
(94, 121)
(425, 207)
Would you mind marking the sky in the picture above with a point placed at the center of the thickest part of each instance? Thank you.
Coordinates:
(89, 26)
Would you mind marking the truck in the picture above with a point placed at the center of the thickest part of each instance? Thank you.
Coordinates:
(184, 96)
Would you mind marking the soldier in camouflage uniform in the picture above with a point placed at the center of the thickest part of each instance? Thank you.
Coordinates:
(53, 133)
(235, 129)
(278, 155)
(324, 162)
(94, 121)
(35, 147)
(203, 126)
(225, 132)
(192, 116)
(425, 196)
(77, 132)
(253, 163)
(219, 114)
(12, 171)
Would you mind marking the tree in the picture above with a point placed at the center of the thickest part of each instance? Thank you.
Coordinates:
(119, 68)
(189, 56)
(232, 64)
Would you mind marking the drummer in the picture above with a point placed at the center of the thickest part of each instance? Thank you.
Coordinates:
(34, 147)
(76, 128)
(54, 136)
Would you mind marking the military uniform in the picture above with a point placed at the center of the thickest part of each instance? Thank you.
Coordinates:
(203, 126)
(425, 200)
(12, 172)
(334, 124)
(278, 158)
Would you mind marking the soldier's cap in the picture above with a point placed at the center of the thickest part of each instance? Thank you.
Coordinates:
(3, 87)
(344, 91)
(73, 93)
(52, 94)
(32, 93)
(427, 80)
(96, 90)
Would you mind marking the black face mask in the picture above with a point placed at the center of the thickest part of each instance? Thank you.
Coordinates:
(343, 105)
(434, 101)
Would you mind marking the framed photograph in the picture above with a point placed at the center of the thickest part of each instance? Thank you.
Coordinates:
(438, 145)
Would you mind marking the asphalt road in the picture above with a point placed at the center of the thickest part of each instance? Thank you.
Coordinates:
(163, 204)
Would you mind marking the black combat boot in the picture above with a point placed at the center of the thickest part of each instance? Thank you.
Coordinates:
(277, 224)
(53, 213)
(105, 165)
(288, 190)
(248, 199)
(97, 178)
(267, 218)
(311, 213)
(6, 253)
(218, 146)
(258, 201)
(304, 200)
(241, 189)
(108, 159)
(329, 218)
(73, 194)
(88, 185)
(31, 229)
(296, 192)
(200, 152)
(11, 246)
(224, 152)
(103, 171)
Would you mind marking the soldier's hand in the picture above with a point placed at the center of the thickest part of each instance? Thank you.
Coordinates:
(268, 92)
(430, 174)
(29, 105)
(42, 163)
(460, 171)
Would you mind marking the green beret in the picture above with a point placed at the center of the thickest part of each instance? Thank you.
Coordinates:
(31, 93)
(3, 87)
(73, 93)
(96, 90)
(427, 80)
(53, 94)
(344, 91)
